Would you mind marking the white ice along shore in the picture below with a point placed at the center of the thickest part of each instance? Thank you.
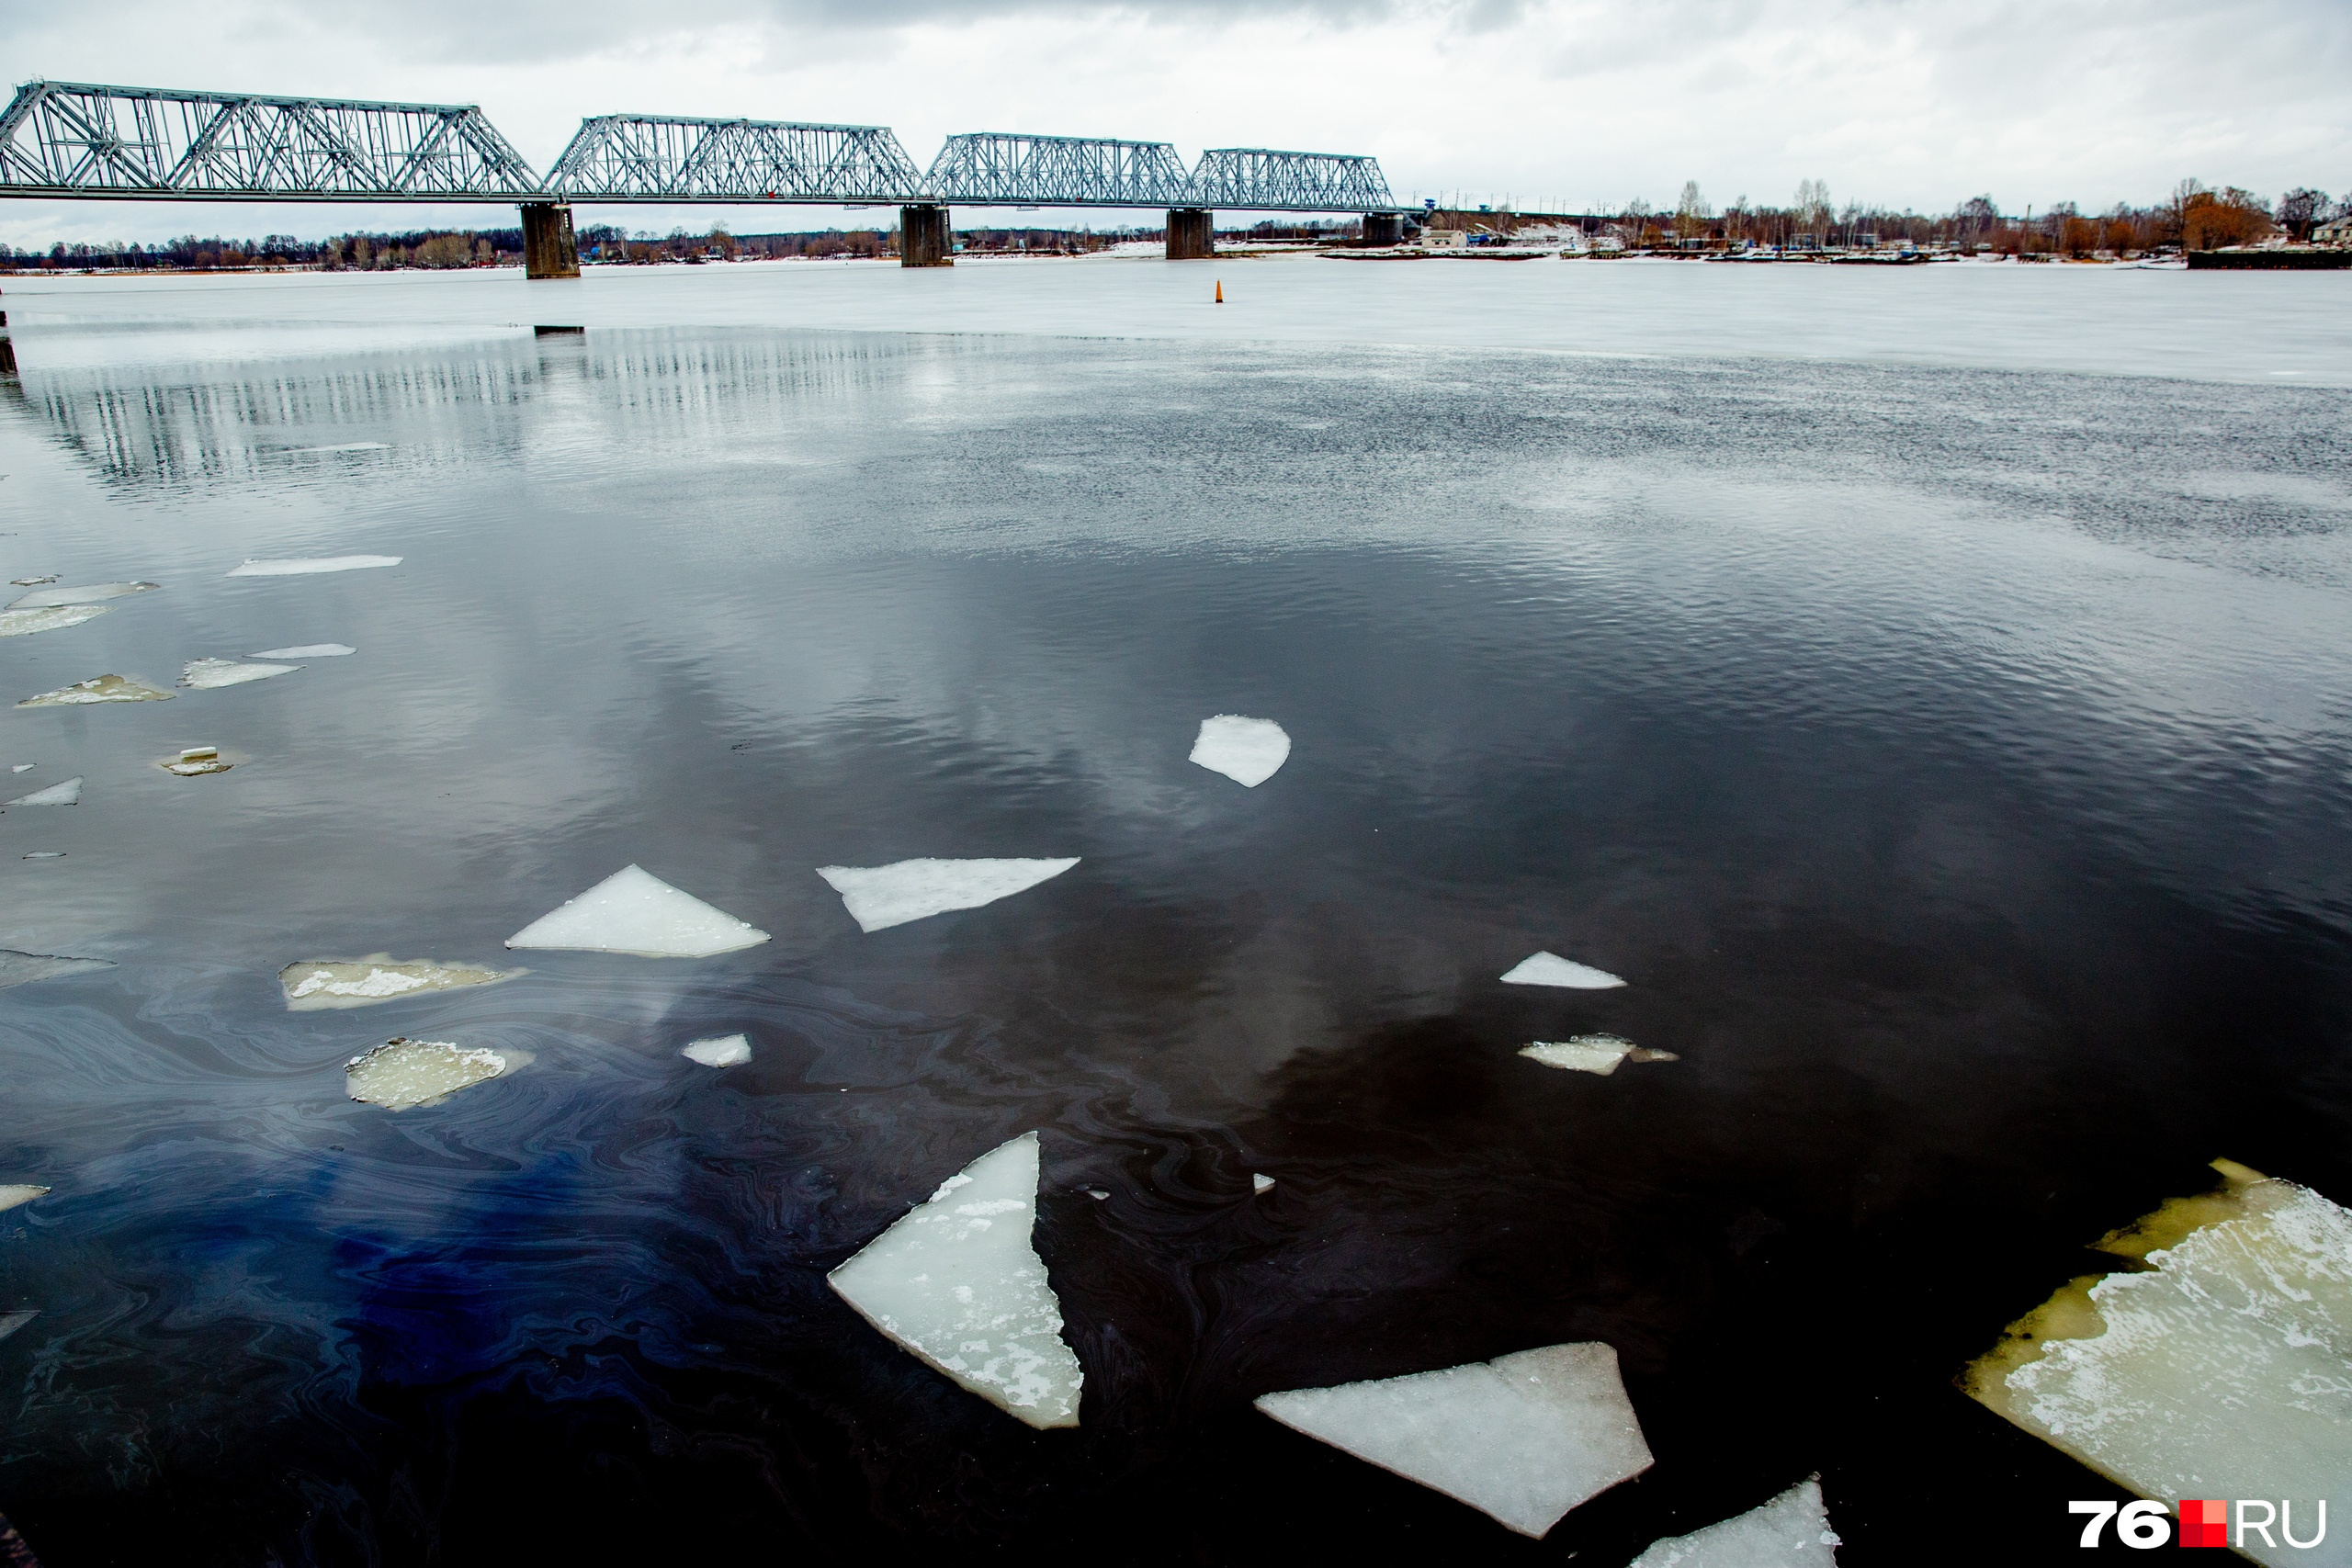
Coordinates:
(308, 566)
(1790, 1531)
(1524, 1437)
(66, 794)
(1246, 751)
(2220, 1367)
(958, 1282)
(316, 984)
(90, 594)
(634, 911)
(718, 1051)
(211, 674)
(880, 896)
(1551, 969)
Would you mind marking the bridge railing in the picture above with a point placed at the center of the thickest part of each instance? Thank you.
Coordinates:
(997, 169)
(78, 140)
(667, 158)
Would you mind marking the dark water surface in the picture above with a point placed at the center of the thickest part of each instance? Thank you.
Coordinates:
(1957, 763)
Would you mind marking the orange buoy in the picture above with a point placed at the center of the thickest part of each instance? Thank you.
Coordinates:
(1220, 292)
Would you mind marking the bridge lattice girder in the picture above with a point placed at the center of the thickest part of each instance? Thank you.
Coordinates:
(995, 169)
(657, 158)
(73, 138)
(1248, 178)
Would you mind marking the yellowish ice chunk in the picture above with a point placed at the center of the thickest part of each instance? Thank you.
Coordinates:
(2219, 1365)
(317, 983)
(100, 689)
(401, 1075)
(13, 1194)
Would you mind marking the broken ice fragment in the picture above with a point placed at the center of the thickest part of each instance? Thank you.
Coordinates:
(1790, 1531)
(721, 1051)
(91, 593)
(340, 446)
(1260, 1182)
(23, 968)
(46, 854)
(308, 651)
(634, 911)
(401, 1075)
(10, 1196)
(304, 567)
(1097, 1194)
(958, 1282)
(1584, 1054)
(2220, 1365)
(880, 896)
(319, 982)
(103, 689)
(22, 768)
(12, 1321)
(66, 794)
(1246, 751)
(31, 582)
(24, 623)
(1551, 969)
(211, 674)
(1524, 1437)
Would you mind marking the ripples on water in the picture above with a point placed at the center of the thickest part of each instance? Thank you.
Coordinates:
(1955, 761)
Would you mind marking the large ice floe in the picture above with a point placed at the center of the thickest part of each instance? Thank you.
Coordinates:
(1246, 751)
(1524, 1437)
(401, 1075)
(719, 1051)
(880, 896)
(2218, 1366)
(1790, 1531)
(211, 674)
(1551, 969)
(958, 1282)
(24, 968)
(12, 1194)
(309, 651)
(316, 984)
(89, 593)
(312, 565)
(24, 623)
(66, 794)
(634, 911)
(98, 689)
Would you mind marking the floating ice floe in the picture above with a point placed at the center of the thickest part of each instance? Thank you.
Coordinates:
(305, 568)
(958, 1282)
(319, 983)
(31, 582)
(1098, 1194)
(211, 674)
(24, 623)
(12, 1321)
(401, 1075)
(880, 896)
(1551, 969)
(24, 968)
(1599, 1053)
(1524, 1437)
(46, 854)
(719, 1051)
(197, 761)
(89, 593)
(66, 794)
(1246, 751)
(23, 767)
(2221, 1366)
(634, 911)
(12, 1195)
(1261, 1182)
(102, 689)
(308, 651)
(1790, 1531)
(340, 446)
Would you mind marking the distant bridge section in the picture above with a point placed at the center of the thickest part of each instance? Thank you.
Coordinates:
(1245, 178)
(994, 169)
(69, 139)
(660, 158)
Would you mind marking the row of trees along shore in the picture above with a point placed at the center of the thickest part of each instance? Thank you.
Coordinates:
(2195, 217)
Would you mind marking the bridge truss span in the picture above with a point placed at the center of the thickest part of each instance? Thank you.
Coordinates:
(66, 139)
(997, 169)
(1261, 179)
(663, 158)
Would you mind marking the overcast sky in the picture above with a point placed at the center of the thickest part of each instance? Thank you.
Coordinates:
(1589, 103)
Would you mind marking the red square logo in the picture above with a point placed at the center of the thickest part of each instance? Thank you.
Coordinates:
(2204, 1522)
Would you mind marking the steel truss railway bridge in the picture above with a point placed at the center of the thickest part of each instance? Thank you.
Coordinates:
(79, 141)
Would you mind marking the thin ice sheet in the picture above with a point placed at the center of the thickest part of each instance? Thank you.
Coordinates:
(1551, 969)
(24, 968)
(1600, 1054)
(311, 565)
(634, 911)
(880, 896)
(11, 1195)
(68, 793)
(318, 983)
(88, 593)
(211, 674)
(24, 623)
(98, 689)
(309, 651)
(1246, 751)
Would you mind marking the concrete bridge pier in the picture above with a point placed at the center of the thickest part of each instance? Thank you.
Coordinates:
(1192, 234)
(925, 238)
(1384, 227)
(548, 249)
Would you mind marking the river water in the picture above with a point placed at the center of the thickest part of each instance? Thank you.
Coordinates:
(1929, 689)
